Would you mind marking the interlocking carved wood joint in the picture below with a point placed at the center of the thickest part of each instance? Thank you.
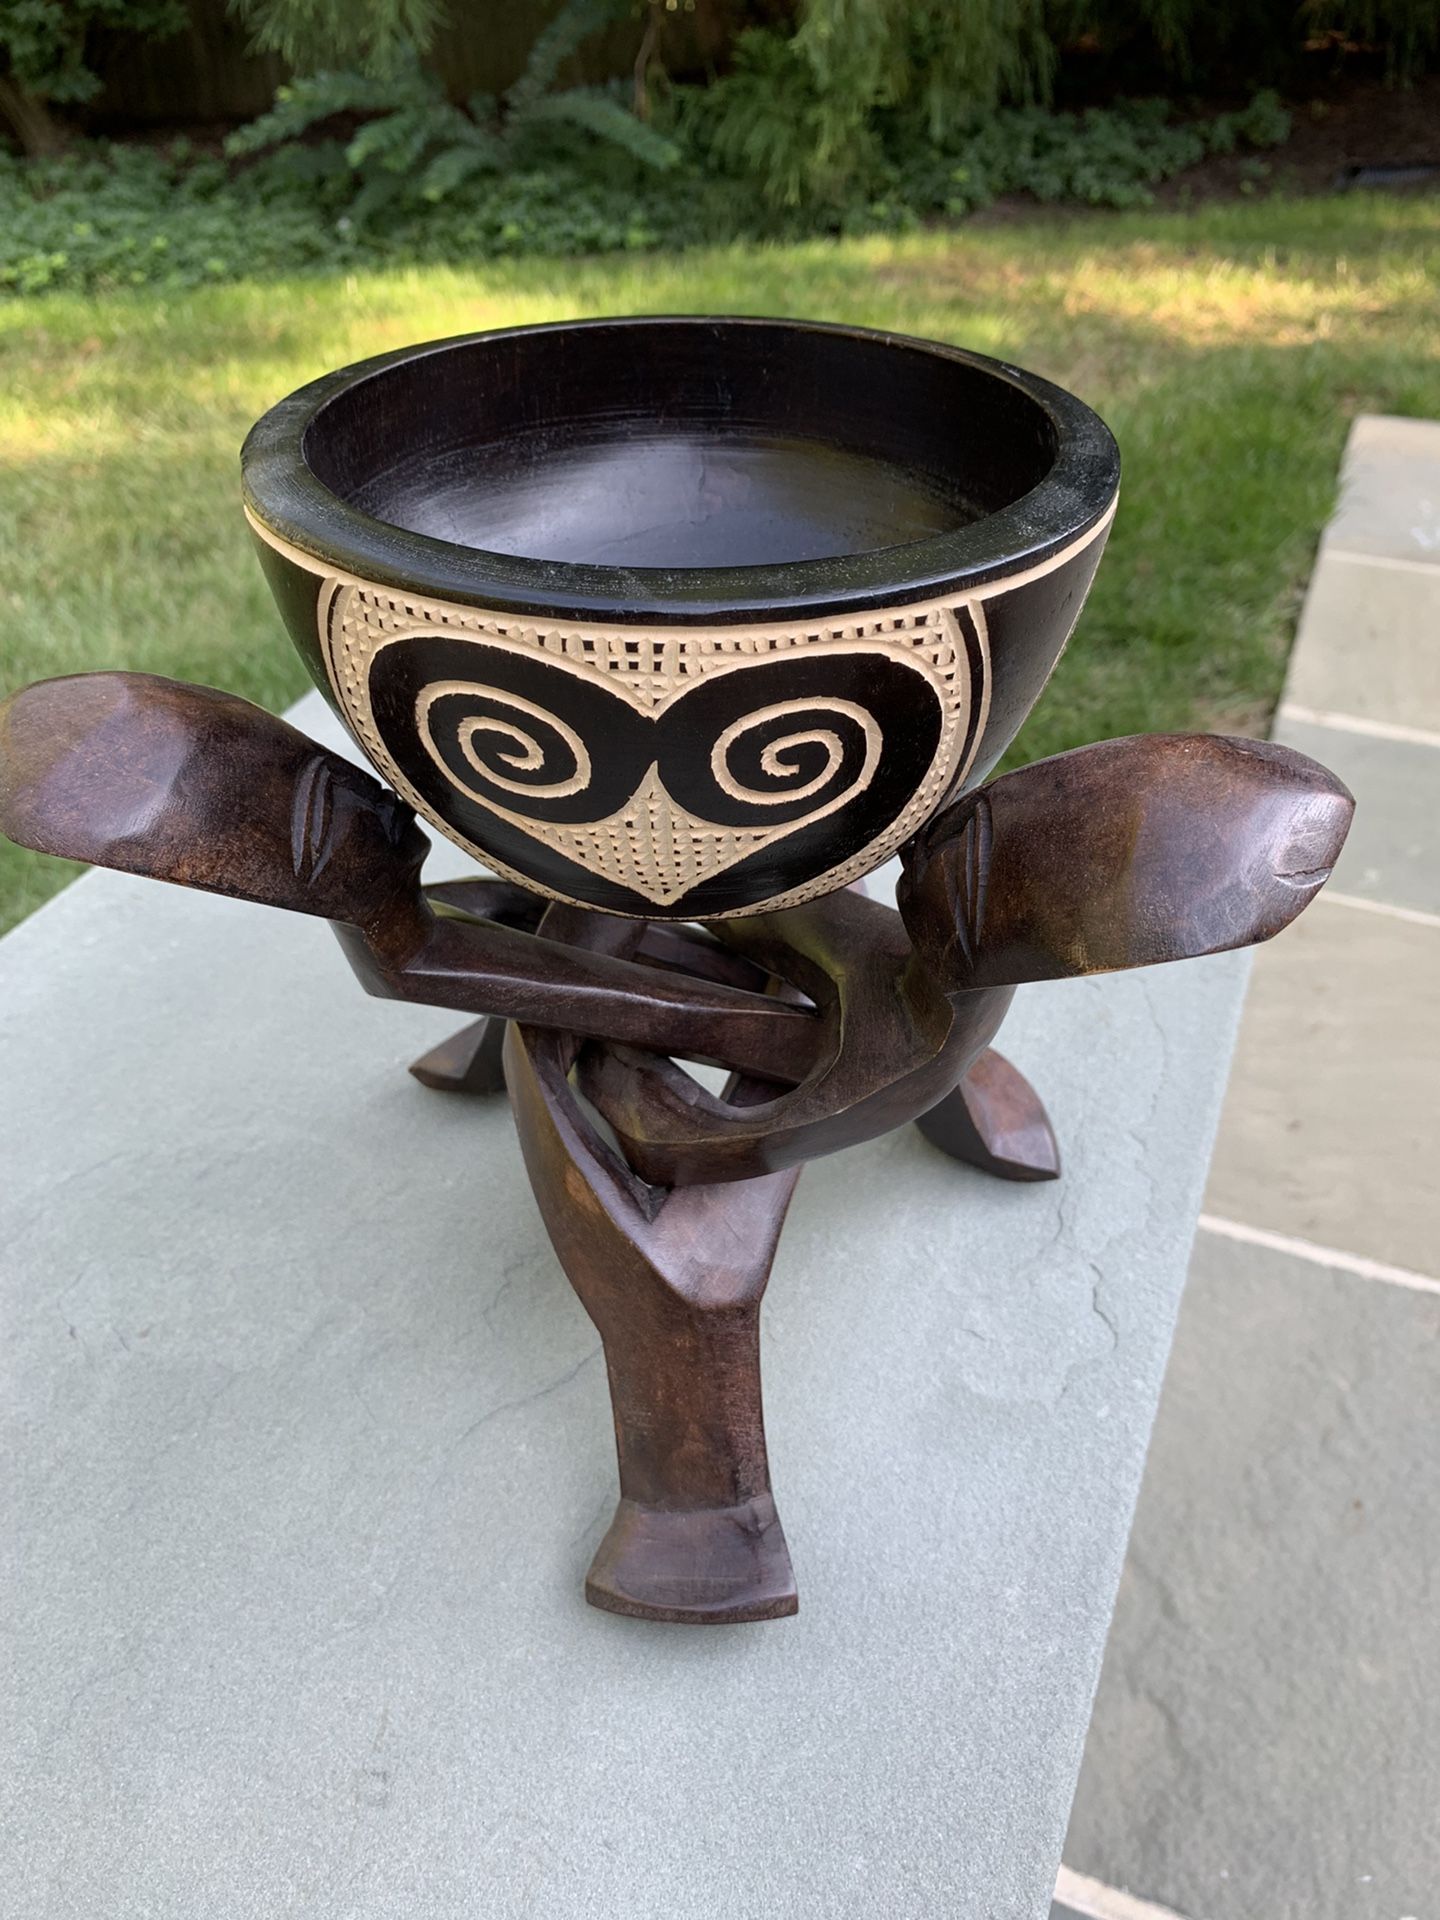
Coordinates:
(681, 627)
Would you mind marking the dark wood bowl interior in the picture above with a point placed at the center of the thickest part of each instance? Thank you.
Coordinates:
(680, 445)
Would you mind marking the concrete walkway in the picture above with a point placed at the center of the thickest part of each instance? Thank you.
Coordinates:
(1266, 1739)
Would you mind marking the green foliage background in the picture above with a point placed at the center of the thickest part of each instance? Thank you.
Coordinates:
(807, 116)
(105, 218)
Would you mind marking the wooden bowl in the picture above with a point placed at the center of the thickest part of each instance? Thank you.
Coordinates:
(681, 618)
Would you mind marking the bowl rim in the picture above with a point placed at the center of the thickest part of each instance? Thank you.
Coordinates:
(290, 505)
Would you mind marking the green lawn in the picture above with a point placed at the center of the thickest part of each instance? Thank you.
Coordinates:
(1227, 348)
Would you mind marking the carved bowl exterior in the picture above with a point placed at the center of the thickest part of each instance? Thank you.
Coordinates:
(681, 618)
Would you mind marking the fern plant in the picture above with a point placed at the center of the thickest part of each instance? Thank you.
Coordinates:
(803, 113)
(768, 121)
(413, 144)
(926, 56)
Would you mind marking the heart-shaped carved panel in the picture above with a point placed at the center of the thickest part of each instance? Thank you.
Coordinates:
(677, 776)
(548, 768)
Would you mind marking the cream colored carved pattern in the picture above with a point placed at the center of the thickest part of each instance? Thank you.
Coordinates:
(655, 847)
(773, 760)
(652, 845)
(527, 754)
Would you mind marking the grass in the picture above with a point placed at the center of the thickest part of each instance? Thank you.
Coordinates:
(1228, 349)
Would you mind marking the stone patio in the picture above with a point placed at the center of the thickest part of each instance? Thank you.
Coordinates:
(1265, 1743)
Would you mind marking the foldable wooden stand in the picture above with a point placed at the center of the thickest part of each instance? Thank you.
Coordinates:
(839, 1019)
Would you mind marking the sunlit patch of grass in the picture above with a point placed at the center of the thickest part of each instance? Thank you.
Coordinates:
(1229, 349)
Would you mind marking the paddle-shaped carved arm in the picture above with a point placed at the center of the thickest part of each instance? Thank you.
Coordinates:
(194, 786)
(1157, 847)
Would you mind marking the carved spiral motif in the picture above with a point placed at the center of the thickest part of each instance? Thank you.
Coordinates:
(770, 757)
(508, 744)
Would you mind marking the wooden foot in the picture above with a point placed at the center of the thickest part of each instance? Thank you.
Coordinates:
(468, 1062)
(994, 1120)
(721, 1566)
(673, 1281)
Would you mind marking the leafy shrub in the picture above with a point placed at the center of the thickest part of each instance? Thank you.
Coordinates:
(120, 216)
(907, 116)
(1104, 157)
(802, 113)
(103, 218)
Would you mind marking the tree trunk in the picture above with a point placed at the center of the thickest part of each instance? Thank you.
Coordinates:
(30, 119)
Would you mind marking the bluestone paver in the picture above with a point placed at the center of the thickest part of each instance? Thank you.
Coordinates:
(1389, 504)
(1369, 642)
(1393, 853)
(1329, 1121)
(1263, 1745)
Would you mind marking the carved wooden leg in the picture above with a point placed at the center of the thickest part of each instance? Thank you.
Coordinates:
(695, 1536)
(994, 1120)
(468, 1062)
(673, 1282)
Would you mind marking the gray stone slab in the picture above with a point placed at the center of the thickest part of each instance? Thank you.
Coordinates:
(307, 1449)
(1369, 642)
(1393, 851)
(1389, 502)
(1263, 1746)
(1328, 1130)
